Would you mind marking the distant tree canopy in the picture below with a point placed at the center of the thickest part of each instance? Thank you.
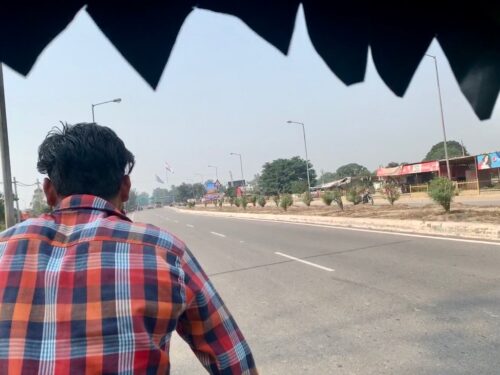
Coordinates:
(285, 176)
(437, 151)
(352, 170)
(392, 164)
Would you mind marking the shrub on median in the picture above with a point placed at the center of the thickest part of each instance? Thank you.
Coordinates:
(307, 198)
(391, 192)
(442, 191)
(244, 202)
(253, 199)
(286, 201)
(333, 196)
(262, 201)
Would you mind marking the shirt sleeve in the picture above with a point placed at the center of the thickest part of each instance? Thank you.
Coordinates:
(208, 327)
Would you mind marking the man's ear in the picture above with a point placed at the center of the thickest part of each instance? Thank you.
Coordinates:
(50, 192)
(125, 188)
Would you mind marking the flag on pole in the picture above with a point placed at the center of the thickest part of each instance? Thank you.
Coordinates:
(158, 179)
(168, 168)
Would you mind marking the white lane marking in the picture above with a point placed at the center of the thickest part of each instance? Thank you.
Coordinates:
(305, 262)
(218, 234)
(491, 314)
(377, 231)
(176, 221)
(242, 241)
(190, 225)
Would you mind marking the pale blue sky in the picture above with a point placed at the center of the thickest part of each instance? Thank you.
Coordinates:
(227, 90)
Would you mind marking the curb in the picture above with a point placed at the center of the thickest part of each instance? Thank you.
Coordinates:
(478, 231)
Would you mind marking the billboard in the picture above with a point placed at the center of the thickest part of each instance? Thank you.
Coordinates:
(487, 161)
(431, 166)
(236, 183)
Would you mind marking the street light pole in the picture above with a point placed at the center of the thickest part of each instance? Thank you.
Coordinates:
(5, 155)
(117, 100)
(305, 146)
(442, 116)
(216, 172)
(241, 166)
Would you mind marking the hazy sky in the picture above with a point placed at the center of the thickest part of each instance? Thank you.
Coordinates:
(227, 90)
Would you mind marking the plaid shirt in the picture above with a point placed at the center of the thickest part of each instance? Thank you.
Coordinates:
(85, 290)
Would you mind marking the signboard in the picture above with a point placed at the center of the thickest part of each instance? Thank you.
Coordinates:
(236, 183)
(431, 166)
(487, 161)
(212, 187)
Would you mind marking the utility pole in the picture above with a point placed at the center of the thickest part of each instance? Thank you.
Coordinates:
(5, 156)
(442, 116)
(18, 216)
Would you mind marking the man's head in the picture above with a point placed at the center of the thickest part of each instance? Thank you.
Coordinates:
(85, 159)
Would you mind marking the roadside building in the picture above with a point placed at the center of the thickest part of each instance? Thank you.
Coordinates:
(471, 173)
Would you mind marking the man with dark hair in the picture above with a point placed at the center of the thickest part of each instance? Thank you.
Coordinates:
(85, 290)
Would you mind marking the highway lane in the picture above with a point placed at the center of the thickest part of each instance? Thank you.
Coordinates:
(315, 300)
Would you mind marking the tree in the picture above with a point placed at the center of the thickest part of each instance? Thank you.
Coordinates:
(184, 192)
(132, 200)
(437, 151)
(392, 164)
(277, 176)
(352, 170)
(38, 203)
(143, 199)
(299, 187)
(231, 192)
(199, 190)
(160, 195)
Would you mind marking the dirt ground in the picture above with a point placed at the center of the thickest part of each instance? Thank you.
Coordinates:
(459, 212)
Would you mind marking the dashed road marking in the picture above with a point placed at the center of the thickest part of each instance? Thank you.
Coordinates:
(190, 225)
(218, 234)
(305, 262)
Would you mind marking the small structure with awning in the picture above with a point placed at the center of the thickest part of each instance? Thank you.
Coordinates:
(469, 172)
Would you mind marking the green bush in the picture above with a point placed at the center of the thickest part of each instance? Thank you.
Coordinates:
(244, 202)
(253, 199)
(190, 204)
(276, 200)
(286, 201)
(307, 198)
(327, 197)
(442, 191)
(237, 202)
(391, 192)
(333, 196)
(231, 201)
(262, 201)
(221, 202)
(353, 196)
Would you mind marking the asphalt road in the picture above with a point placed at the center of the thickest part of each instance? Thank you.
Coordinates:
(365, 303)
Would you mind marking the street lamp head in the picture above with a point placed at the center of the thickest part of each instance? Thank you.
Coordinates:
(117, 100)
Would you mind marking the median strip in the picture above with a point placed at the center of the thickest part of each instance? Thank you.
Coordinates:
(305, 262)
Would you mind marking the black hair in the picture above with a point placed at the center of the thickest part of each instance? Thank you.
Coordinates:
(85, 158)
